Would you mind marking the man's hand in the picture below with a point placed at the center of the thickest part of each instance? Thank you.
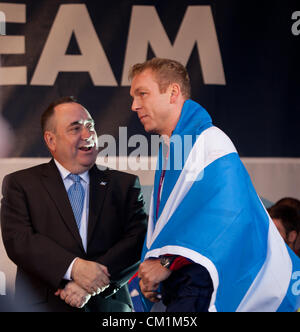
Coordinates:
(91, 276)
(151, 273)
(73, 295)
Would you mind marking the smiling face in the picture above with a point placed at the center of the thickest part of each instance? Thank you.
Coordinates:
(154, 109)
(73, 142)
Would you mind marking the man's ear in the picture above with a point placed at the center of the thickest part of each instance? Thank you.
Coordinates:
(175, 92)
(50, 140)
(292, 237)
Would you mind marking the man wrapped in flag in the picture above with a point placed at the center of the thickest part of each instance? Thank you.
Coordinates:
(210, 245)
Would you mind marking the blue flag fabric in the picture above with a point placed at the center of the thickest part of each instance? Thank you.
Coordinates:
(210, 213)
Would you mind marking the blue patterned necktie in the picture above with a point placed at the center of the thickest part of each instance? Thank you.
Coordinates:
(76, 196)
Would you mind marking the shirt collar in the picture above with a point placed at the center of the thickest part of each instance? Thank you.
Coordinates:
(65, 173)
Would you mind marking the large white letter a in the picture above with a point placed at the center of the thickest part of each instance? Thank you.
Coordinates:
(73, 19)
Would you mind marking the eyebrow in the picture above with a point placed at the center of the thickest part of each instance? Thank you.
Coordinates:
(137, 90)
(74, 123)
(80, 122)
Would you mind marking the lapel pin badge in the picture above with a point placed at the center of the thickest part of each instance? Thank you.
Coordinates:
(102, 183)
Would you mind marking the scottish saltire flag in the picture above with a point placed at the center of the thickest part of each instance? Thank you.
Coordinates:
(210, 213)
(135, 294)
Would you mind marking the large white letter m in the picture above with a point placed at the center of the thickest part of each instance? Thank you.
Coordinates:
(2, 24)
(197, 27)
(2, 283)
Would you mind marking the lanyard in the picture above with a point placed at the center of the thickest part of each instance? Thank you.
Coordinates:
(161, 181)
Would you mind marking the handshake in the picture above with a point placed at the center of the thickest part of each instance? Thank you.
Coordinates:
(88, 279)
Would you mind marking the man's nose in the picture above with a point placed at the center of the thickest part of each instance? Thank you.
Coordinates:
(86, 133)
(135, 106)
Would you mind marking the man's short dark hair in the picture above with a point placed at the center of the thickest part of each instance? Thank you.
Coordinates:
(288, 216)
(48, 113)
(290, 201)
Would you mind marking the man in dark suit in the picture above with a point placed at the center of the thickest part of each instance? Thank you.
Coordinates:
(71, 252)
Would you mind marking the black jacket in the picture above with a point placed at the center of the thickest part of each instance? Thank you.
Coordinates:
(41, 236)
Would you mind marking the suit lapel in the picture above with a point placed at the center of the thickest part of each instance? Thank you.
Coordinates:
(98, 186)
(54, 185)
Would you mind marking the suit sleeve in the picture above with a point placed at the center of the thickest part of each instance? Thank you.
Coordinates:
(32, 252)
(126, 252)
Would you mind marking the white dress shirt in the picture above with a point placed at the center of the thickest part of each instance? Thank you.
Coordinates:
(85, 181)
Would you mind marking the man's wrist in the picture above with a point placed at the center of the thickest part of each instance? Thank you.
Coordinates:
(74, 263)
(165, 261)
(174, 262)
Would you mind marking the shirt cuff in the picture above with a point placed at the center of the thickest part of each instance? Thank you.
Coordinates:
(179, 262)
(67, 275)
